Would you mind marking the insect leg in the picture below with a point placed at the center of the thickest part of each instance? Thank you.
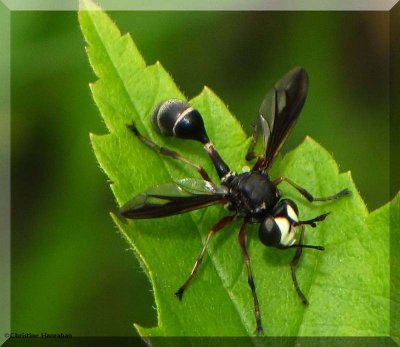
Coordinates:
(295, 262)
(311, 222)
(243, 240)
(293, 266)
(307, 195)
(167, 152)
(318, 248)
(222, 223)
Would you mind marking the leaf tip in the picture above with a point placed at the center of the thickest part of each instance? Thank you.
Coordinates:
(88, 5)
(147, 333)
(309, 140)
(207, 90)
(209, 93)
(93, 138)
(142, 334)
(118, 220)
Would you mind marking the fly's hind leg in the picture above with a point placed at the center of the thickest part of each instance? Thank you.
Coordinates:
(167, 152)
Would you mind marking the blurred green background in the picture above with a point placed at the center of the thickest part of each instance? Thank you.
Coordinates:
(71, 271)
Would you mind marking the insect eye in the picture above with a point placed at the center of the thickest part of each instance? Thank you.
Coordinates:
(269, 232)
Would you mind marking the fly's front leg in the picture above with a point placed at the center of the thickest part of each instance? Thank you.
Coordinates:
(295, 261)
(293, 266)
(311, 222)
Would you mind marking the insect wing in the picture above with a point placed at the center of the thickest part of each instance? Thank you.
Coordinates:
(260, 137)
(281, 108)
(172, 198)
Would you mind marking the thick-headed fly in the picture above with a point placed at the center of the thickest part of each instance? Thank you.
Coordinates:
(252, 196)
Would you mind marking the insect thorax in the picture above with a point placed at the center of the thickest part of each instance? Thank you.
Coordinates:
(252, 195)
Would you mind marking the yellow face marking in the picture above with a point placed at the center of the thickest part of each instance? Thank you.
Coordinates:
(292, 215)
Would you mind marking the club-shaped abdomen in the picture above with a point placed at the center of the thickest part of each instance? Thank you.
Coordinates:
(177, 118)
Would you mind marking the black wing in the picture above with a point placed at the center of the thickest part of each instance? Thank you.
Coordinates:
(279, 112)
(173, 198)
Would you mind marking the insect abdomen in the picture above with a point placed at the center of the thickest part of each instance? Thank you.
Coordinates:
(177, 118)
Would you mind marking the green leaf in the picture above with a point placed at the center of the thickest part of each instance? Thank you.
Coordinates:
(394, 211)
(347, 285)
